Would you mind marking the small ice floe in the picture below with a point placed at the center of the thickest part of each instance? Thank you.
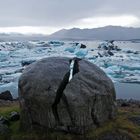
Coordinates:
(27, 62)
(13, 77)
(105, 53)
(71, 49)
(20, 53)
(4, 55)
(39, 50)
(107, 49)
(81, 53)
(135, 41)
(42, 44)
(56, 43)
(83, 46)
(18, 45)
(6, 47)
(131, 79)
(12, 87)
(131, 67)
(132, 52)
(10, 82)
(109, 45)
(74, 43)
(78, 49)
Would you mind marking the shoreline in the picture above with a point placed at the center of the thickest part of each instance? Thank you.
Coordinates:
(127, 91)
(120, 102)
(123, 91)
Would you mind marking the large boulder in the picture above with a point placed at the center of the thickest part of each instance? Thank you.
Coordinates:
(90, 96)
(6, 95)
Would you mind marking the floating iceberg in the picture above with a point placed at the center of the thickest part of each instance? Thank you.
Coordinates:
(56, 43)
(76, 48)
(71, 49)
(81, 53)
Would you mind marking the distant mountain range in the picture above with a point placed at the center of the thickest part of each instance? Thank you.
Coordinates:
(21, 37)
(103, 33)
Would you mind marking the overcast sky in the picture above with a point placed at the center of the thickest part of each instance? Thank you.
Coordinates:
(47, 16)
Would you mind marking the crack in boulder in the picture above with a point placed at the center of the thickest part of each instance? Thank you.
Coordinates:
(74, 69)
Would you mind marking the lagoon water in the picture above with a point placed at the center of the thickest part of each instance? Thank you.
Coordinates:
(123, 67)
(127, 91)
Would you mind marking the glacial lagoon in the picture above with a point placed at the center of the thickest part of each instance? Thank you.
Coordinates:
(123, 67)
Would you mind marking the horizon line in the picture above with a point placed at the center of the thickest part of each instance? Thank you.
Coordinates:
(39, 33)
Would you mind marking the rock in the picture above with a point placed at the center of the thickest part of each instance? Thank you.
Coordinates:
(117, 48)
(25, 63)
(88, 99)
(129, 51)
(111, 41)
(136, 52)
(19, 70)
(76, 43)
(4, 129)
(4, 120)
(83, 46)
(6, 95)
(110, 53)
(128, 103)
(109, 45)
(135, 102)
(100, 55)
(125, 104)
(14, 116)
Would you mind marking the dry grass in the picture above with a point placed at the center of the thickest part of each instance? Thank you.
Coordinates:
(120, 124)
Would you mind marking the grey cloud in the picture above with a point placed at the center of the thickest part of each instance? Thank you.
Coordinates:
(59, 13)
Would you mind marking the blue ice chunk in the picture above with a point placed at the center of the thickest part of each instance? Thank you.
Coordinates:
(56, 43)
(81, 53)
(12, 87)
(4, 55)
(70, 49)
(131, 68)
